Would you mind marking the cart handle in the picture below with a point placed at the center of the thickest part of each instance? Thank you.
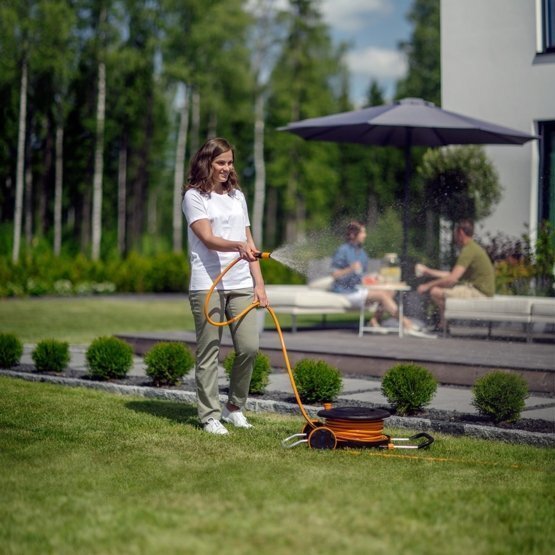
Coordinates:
(288, 442)
(428, 440)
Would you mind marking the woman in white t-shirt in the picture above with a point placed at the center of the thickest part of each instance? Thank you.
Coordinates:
(218, 232)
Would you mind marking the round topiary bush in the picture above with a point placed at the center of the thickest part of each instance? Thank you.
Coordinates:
(51, 355)
(260, 373)
(109, 357)
(167, 362)
(317, 381)
(408, 387)
(11, 349)
(500, 395)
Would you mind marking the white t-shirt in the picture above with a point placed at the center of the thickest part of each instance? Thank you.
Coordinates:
(229, 218)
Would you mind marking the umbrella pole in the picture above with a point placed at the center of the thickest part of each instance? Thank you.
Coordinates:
(406, 201)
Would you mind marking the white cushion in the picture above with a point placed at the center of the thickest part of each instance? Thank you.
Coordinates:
(544, 309)
(323, 283)
(302, 296)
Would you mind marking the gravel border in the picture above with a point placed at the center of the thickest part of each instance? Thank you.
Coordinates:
(264, 405)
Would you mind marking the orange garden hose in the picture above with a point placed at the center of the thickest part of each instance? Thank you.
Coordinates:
(344, 430)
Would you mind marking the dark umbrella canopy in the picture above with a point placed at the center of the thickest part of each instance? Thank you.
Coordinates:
(412, 122)
(404, 124)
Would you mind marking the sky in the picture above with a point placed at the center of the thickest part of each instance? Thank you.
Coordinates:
(373, 28)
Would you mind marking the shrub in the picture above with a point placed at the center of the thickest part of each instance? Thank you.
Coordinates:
(169, 272)
(317, 381)
(51, 355)
(167, 362)
(109, 357)
(500, 396)
(408, 387)
(260, 373)
(11, 350)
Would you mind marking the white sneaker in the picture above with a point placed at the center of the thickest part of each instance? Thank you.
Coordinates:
(213, 426)
(235, 417)
(420, 333)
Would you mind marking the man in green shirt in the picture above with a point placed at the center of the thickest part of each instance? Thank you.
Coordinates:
(472, 275)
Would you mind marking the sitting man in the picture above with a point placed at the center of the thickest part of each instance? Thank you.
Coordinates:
(472, 275)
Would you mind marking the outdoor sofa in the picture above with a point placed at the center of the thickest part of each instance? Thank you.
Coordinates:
(313, 298)
(519, 309)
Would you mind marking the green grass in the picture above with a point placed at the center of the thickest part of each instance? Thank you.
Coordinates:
(92, 473)
(80, 320)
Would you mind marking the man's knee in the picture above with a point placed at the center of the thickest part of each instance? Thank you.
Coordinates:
(437, 294)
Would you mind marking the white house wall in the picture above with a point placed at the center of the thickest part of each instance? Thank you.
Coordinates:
(488, 49)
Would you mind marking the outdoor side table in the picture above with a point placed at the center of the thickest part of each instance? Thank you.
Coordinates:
(399, 287)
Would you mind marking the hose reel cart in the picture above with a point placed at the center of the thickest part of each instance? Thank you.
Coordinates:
(341, 426)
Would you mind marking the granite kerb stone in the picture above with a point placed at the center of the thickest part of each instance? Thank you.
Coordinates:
(281, 407)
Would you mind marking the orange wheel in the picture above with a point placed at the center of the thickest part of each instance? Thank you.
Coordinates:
(309, 427)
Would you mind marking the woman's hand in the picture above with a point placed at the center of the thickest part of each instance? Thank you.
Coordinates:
(261, 296)
(246, 252)
(356, 267)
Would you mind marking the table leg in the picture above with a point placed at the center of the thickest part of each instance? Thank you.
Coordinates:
(401, 327)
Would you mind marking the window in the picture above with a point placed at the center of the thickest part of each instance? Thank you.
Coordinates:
(547, 172)
(548, 25)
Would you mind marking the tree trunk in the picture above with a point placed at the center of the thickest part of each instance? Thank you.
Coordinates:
(43, 184)
(58, 185)
(98, 163)
(18, 210)
(195, 123)
(179, 173)
(270, 223)
(372, 210)
(259, 171)
(212, 125)
(28, 204)
(122, 195)
(84, 220)
(140, 193)
(152, 214)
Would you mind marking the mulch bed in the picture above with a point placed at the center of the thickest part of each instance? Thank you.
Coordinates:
(525, 424)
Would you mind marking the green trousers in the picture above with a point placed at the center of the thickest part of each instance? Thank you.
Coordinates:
(224, 305)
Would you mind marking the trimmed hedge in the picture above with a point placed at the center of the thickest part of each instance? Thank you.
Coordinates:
(409, 387)
(500, 395)
(317, 381)
(11, 349)
(260, 374)
(51, 355)
(108, 358)
(167, 362)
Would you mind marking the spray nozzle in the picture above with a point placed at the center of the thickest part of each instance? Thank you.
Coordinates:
(262, 255)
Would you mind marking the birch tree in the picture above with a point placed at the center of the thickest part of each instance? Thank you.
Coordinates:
(264, 39)
(96, 223)
(302, 86)
(96, 220)
(19, 180)
(179, 171)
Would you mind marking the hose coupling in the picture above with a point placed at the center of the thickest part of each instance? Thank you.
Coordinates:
(262, 254)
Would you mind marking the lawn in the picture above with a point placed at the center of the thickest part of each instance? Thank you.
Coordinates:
(80, 320)
(93, 473)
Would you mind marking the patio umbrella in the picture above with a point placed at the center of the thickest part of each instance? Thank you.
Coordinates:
(404, 124)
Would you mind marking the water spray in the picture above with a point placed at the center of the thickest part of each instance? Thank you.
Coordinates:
(342, 426)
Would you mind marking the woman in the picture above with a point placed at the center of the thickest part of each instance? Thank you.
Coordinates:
(349, 264)
(219, 231)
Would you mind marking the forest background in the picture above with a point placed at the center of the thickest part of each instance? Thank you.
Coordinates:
(103, 102)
